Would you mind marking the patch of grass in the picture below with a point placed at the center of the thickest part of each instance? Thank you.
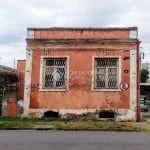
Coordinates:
(25, 123)
(15, 123)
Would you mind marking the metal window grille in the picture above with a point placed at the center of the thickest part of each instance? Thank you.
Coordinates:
(55, 70)
(106, 73)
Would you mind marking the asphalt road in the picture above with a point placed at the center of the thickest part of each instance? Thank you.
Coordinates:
(73, 140)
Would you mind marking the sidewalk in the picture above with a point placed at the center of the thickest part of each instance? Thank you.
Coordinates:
(146, 116)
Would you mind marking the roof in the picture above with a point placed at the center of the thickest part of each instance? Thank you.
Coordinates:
(86, 28)
(6, 69)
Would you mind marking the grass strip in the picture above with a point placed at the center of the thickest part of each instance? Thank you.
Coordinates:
(58, 124)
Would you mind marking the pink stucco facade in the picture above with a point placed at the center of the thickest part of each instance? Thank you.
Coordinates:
(82, 49)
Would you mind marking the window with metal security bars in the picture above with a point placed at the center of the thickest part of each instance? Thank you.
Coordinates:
(54, 73)
(106, 73)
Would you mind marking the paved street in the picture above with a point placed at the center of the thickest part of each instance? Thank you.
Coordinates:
(73, 140)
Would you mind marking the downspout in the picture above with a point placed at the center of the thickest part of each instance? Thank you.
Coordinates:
(138, 80)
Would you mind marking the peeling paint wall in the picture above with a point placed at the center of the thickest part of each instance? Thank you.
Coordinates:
(20, 79)
(80, 97)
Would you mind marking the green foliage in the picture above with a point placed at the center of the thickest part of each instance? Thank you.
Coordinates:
(44, 124)
(144, 75)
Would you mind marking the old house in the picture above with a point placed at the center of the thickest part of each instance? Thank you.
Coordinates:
(82, 70)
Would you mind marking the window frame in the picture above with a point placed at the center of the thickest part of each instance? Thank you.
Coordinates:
(94, 74)
(42, 74)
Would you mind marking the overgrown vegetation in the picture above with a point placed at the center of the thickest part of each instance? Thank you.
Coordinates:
(144, 75)
(58, 124)
(144, 90)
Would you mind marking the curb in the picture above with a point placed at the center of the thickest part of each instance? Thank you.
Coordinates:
(65, 129)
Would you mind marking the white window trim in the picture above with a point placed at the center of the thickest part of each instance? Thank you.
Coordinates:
(41, 74)
(93, 73)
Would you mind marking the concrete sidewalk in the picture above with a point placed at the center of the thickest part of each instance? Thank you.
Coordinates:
(146, 116)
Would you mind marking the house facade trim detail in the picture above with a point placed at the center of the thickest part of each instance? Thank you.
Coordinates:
(41, 74)
(27, 88)
(93, 73)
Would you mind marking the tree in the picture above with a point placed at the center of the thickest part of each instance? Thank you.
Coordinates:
(144, 75)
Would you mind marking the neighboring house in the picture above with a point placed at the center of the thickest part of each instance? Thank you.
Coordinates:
(7, 88)
(82, 70)
(7, 83)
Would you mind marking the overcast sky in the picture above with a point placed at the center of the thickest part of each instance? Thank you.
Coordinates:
(17, 15)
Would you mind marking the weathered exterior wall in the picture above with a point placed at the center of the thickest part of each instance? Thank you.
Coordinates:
(81, 46)
(79, 94)
(81, 34)
(12, 108)
(20, 79)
